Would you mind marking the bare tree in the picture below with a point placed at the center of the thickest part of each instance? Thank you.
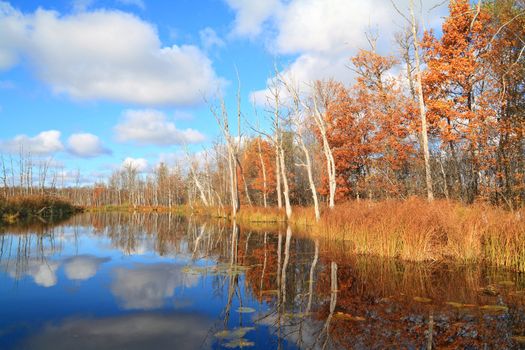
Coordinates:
(297, 118)
(222, 120)
(263, 165)
(420, 98)
(277, 139)
(320, 99)
(197, 181)
(4, 176)
(422, 111)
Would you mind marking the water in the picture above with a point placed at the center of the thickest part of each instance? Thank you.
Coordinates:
(159, 281)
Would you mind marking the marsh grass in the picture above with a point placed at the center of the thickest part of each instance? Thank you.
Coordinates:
(412, 230)
(21, 208)
(416, 230)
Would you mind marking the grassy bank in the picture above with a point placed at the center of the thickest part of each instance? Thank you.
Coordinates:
(417, 230)
(23, 208)
(412, 230)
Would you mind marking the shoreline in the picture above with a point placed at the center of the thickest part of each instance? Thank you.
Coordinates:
(411, 230)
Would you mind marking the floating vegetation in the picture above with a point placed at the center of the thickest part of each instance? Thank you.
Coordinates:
(241, 332)
(489, 290)
(236, 333)
(422, 300)
(194, 270)
(459, 305)
(495, 308)
(236, 337)
(245, 310)
(239, 343)
(225, 270)
(298, 314)
(223, 334)
(348, 317)
(519, 339)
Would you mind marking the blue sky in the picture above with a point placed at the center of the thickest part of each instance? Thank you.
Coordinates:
(92, 83)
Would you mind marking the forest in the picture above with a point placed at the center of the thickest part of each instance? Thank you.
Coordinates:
(435, 127)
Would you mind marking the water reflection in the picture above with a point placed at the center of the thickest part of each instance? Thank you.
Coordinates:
(82, 267)
(43, 273)
(140, 331)
(163, 281)
(147, 287)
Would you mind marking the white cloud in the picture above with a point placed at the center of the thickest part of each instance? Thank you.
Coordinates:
(154, 128)
(12, 35)
(139, 164)
(210, 39)
(251, 15)
(85, 56)
(46, 142)
(138, 3)
(86, 145)
(42, 272)
(148, 287)
(327, 25)
(82, 267)
(322, 34)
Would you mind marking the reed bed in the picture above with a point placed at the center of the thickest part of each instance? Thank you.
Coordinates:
(412, 229)
(15, 209)
(416, 230)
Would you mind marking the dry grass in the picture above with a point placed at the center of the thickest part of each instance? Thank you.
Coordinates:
(416, 230)
(15, 209)
(412, 230)
(261, 215)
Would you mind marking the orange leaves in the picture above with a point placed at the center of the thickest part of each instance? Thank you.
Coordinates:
(454, 78)
(253, 168)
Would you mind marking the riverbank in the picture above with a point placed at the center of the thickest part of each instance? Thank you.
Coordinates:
(412, 230)
(23, 208)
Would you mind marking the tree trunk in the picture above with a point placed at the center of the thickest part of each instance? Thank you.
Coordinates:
(422, 112)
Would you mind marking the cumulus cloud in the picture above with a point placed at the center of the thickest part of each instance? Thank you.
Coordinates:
(84, 56)
(210, 39)
(86, 145)
(152, 127)
(139, 164)
(12, 35)
(46, 142)
(148, 287)
(83, 267)
(327, 25)
(322, 34)
(251, 15)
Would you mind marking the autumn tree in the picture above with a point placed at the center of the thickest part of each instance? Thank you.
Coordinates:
(456, 93)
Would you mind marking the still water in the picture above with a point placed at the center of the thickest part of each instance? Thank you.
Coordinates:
(160, 281)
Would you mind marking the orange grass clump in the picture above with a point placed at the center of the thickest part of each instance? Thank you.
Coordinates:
(417, 230)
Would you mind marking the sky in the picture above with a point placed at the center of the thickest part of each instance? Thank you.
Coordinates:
(95, 84)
